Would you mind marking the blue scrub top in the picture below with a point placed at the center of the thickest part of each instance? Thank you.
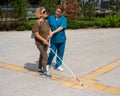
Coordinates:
(54, 24)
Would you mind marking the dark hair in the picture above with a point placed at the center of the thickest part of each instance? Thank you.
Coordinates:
(61, 8)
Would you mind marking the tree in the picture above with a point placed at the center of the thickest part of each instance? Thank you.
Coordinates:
(19, 9)
(72, 9)
(89, 8)
(50, 5)
(115, 5)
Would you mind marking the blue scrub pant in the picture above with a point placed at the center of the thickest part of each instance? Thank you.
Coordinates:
(59, 49)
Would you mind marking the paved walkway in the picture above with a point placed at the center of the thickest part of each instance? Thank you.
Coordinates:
(92, 54)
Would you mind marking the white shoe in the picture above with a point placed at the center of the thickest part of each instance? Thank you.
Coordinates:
(60, 68)
(47, 67)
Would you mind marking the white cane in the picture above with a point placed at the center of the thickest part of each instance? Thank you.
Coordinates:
(76, 77)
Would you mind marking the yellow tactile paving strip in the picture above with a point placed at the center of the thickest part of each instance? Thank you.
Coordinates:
(87, 80)
(106, 88)
(103, 70)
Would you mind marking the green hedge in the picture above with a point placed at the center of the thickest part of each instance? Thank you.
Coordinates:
(109, 21)
(81, 23)
(20, 28)
(106, 22)
(27, 26)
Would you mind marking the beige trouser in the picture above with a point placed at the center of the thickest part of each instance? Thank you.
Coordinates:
(43, 56)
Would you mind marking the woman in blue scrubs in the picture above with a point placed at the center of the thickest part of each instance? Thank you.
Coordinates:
(58, 24)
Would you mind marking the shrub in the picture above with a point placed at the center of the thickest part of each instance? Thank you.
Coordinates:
(20, 28)
(73, 25)
(87, 23)
(7, 25)
(29, 24)
(109, 21)
(28, 27)
(81, 23)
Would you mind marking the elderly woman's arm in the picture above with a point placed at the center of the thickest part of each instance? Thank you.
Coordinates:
(37, 35)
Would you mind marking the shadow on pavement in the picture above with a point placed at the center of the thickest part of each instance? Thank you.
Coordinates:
(31, 66)
(34, 66)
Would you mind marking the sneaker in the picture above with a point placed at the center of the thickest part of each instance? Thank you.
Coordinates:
(47, 67)
(40, 72)
(60, 68)
(46, 75)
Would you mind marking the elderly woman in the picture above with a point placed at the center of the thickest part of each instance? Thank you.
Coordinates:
(41, 31)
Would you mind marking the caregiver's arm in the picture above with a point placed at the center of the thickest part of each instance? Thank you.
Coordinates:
(58, 30)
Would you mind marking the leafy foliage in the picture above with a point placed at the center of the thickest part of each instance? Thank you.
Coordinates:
(88, 9)
(115, 5)
(72, 9)
(109, 21)
(50, 5)
(19, 8)
(82, 23)
(20, 28)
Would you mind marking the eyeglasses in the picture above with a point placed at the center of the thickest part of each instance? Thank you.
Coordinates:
(44, 12)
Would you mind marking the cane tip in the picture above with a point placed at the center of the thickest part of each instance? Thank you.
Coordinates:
(81, 84)
(79, 81)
